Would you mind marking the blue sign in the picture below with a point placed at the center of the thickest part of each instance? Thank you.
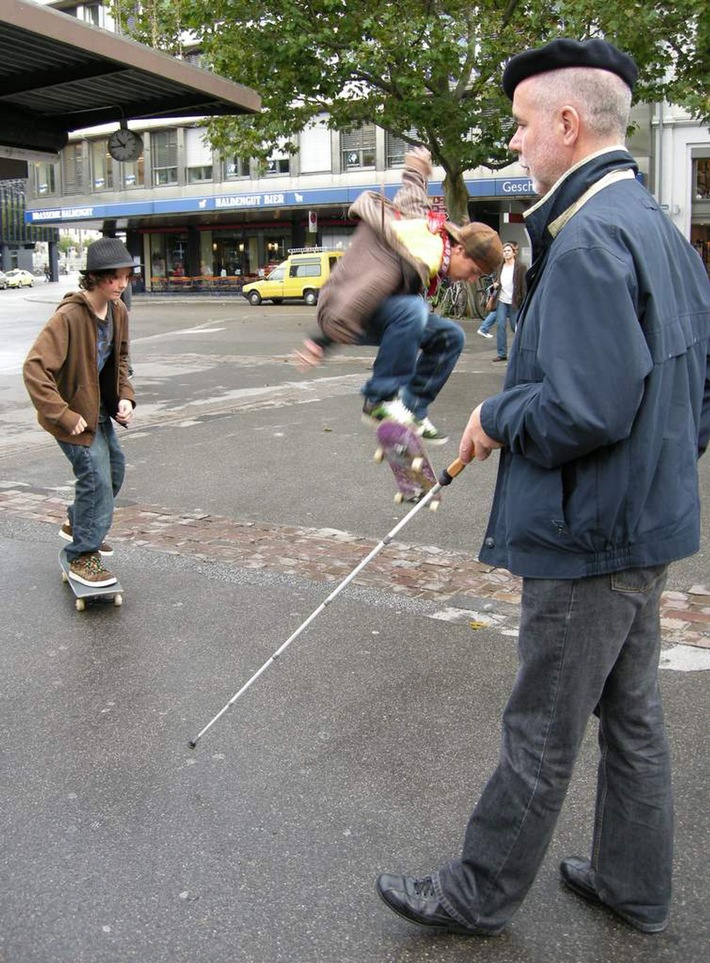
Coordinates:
(520, 187)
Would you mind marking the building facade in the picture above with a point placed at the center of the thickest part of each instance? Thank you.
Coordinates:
(18, 235)
(194, 219)
(188, 213)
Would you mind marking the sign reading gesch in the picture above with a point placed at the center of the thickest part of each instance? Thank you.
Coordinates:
(488, 187)
(517, 185)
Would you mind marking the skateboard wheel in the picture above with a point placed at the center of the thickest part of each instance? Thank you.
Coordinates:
(379, 456)
(434, 506)
(417, 463)
(65, 577)
(118, 600)
(399, 498)
(80, 605)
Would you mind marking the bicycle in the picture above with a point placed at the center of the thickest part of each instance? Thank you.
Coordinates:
(451, 299)
(480, 295)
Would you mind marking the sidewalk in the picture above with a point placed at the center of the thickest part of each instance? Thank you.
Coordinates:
(329, 555)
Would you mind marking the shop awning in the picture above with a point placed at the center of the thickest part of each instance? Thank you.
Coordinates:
(58, 74)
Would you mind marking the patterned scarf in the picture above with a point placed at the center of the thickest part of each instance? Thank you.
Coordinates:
(435, 223)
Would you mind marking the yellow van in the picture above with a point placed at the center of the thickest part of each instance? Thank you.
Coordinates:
(301, 276)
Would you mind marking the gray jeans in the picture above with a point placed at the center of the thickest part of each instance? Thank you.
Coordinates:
(585, 646)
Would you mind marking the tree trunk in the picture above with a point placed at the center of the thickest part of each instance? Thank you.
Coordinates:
(456, 198)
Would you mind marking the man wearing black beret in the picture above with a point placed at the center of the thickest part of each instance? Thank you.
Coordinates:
(603, 415)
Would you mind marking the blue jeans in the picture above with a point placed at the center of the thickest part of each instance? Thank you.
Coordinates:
(99, 470)
(488, 321)
(418, 352)
(505, 314)
(585, 646)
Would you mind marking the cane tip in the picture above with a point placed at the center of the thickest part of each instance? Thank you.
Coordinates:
(192, 744)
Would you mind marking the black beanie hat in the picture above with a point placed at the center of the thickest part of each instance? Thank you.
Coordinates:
(569, 53)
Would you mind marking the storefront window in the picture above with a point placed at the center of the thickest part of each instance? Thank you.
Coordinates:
(168, 253)
(230, 254)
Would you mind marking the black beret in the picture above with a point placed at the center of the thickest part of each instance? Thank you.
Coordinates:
(568, 53)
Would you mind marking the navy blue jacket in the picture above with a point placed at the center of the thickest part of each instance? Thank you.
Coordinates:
(606, 402)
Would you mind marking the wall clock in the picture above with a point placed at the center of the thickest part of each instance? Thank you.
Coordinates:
(125, 144)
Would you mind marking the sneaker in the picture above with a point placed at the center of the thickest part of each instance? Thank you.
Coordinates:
(392, 409)
(428, 432)
(90, 570)
(66, 533)
(484, 334)
(504, 358)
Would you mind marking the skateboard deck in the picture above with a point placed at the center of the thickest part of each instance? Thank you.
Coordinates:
(85, 593)
(406, 456)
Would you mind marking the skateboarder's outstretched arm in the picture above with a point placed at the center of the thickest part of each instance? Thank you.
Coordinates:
(310, 355)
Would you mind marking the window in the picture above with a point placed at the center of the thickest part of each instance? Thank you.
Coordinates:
(101, 165)
(358, 147)
(196, 175)
(305, 269)
(277, 165)
(236, 167)
(193, 57)
(133, 173)
(93, 14)
(45, 178)
(73, 168)
(314, 154)
(198, 156)
(164, 152)
(397, 147)
(702, 179)
(168, 253)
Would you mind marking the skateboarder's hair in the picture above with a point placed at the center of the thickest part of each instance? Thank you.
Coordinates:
(90, 280)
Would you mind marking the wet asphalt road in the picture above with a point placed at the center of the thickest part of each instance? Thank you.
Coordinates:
(360, 751)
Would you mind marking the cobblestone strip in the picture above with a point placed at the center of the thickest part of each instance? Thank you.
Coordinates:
(329, 555)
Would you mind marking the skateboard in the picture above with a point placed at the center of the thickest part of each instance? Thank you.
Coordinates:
(84, 593)
(412, 470)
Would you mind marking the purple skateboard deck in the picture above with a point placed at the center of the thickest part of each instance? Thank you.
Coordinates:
(404, 451)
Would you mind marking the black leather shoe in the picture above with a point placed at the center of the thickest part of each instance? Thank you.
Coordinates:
(578, 875)
(416, 901)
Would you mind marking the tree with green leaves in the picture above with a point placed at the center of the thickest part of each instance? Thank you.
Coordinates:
(427, 71)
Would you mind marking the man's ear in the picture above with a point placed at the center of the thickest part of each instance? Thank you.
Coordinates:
(569, 119)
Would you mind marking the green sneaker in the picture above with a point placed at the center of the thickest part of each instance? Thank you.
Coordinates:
(428, 432)
(373, 412)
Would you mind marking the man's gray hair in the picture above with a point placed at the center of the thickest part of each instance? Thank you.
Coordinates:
(602, 99)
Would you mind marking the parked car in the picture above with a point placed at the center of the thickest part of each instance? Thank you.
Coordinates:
(3, 280)
(300, 276)
(17, 278)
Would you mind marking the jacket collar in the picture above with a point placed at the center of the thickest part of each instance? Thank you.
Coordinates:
(550, 209)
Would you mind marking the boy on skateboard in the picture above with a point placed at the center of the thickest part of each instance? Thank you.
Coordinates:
(76, 374)
(375, 296)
